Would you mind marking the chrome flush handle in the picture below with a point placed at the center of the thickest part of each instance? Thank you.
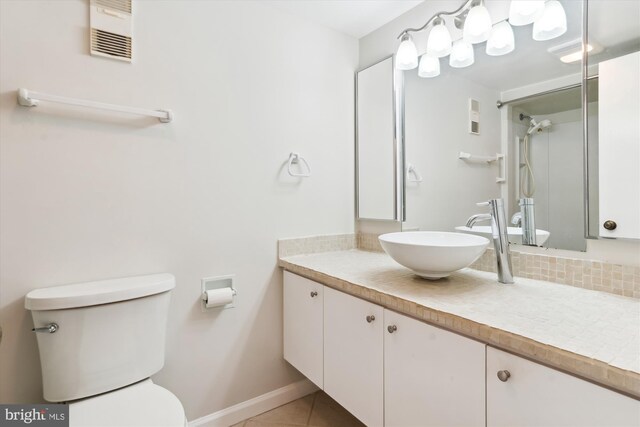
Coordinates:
(50, 328)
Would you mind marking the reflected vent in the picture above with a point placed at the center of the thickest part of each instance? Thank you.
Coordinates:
(110, 44)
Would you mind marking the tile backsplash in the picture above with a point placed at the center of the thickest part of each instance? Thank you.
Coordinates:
(315, 244)
(600, 276)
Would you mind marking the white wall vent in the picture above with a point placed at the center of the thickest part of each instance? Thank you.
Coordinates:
(474, 117)
(111, 29)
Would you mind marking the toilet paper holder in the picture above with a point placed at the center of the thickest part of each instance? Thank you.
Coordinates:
(213, 283)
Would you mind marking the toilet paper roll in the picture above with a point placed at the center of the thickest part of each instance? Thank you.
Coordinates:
(217, 297)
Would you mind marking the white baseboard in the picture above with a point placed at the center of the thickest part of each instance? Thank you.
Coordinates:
(252, 407)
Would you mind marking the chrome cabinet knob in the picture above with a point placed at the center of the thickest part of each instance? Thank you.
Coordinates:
(610, 225)
(371, 318)
(50, 328)
(392, 328)
(504, 376)
(314, 294)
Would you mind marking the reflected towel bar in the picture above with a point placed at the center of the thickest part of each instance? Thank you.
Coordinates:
(499, 158)
(473, 158)
(28, 98)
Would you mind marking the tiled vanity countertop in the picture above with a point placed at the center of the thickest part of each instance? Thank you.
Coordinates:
(591, 334)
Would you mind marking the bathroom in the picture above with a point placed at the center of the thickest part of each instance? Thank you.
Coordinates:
(253, 153)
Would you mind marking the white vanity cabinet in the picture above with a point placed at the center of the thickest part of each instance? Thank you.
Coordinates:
(431, 377)
(353, 355)
(391, 370)
(534, 395)
(303, 326)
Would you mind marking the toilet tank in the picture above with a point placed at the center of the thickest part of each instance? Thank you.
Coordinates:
(110, 334)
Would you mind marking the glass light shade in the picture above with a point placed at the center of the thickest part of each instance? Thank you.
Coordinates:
(477, 26)
(439, 41)
(552, 23)
(461, 54)
(407, 55)
(525, 12)
(501, 40)
(429, 66)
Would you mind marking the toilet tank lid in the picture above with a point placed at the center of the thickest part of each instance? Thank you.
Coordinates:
(99, 292)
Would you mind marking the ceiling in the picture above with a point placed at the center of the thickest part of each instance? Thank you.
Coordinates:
(356, 18)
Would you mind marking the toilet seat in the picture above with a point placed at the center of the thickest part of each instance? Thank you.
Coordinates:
(142, 404)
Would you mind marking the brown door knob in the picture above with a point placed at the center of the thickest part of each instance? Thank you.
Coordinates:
(610, 225)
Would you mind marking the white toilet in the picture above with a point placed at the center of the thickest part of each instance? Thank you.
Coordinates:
(99, 343)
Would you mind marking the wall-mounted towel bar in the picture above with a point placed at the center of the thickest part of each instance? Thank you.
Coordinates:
(28, 98)
(498, 158)
(294, 159)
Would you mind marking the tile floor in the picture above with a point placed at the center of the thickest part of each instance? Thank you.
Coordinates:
(316, 410)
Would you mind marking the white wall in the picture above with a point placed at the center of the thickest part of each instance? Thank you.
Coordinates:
(92, 195)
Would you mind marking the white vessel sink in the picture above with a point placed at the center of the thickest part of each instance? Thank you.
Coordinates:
(433, 254)
(515, 233)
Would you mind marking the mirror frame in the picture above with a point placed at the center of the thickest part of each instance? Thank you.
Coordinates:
(397, 89)
(585, 120)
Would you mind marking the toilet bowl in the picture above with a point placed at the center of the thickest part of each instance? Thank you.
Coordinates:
(143, 404)
(99, 343)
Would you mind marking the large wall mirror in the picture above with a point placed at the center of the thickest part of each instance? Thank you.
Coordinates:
(538, 123)
(378, 146)
(514, 126)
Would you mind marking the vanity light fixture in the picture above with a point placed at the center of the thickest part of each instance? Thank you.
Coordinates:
(407, 56)
(477, 25)
(525, 12)
(461, 54)
(473, 19)
(439, 41)
(501, 40)
(429, 66)
(552, 23)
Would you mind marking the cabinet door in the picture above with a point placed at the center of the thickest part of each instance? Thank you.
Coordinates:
(303, 301)
(431, 377)
(353, 355)
(619, 147)
(534, 395)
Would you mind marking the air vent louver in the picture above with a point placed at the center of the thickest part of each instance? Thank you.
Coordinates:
(111, 29)
(119, 5)
(110, 44)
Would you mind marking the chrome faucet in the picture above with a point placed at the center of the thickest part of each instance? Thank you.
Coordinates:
(500, 237)
(528, 222)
